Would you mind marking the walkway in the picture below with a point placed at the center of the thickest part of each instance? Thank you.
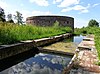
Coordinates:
(87, 58)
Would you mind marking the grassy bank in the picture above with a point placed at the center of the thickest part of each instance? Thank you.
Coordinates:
(12, 33)
(91, 30)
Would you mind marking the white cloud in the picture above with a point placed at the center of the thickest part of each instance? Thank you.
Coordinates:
(40, 2)
(25, 68)
(25, 14)
(85, 11)
(80, 22)
(96, 5)
(22, 4)
(67, 9)
(56, 1)
(67, 3)
(80, 8)
(3, 4)
(41, 13)
(46, 58)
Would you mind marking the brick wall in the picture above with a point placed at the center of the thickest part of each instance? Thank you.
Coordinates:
(50, 20)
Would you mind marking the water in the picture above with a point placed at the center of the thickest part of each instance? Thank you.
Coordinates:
(40, 63)
(67, 45)
(78, 39)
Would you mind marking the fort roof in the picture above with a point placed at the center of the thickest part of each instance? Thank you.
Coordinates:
(50, 16)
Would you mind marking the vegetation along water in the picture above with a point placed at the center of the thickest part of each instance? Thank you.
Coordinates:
(12, 33)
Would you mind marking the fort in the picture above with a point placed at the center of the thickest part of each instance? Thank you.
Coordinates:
(50, 20)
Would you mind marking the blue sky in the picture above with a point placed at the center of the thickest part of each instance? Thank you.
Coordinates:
(81, 10)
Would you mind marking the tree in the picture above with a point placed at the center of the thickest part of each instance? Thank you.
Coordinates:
(2, 15)
(18, 17)
(9, 16)
(93, 23)
(56, 24)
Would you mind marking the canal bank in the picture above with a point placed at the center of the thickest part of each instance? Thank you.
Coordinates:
(11, 50)
(87, 58)
(47, 57)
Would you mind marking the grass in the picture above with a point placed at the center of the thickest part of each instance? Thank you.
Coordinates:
(12, 33)
(91, 30)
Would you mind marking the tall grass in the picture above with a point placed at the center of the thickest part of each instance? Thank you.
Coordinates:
(12, 33)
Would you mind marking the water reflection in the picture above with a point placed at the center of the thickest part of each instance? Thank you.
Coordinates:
(78, 39)
(10, 61)
(67, 45)
(74, 39)
(40, 64)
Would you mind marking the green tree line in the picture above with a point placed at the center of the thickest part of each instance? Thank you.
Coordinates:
(18, 17)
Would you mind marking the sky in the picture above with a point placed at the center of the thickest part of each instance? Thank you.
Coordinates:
(81, 10)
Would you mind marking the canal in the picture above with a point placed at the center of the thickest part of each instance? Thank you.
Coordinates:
(41, 63)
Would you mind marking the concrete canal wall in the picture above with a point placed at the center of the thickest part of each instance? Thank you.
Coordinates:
(7, 51)
(50, 40)
(10, 50)
(86, 58)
